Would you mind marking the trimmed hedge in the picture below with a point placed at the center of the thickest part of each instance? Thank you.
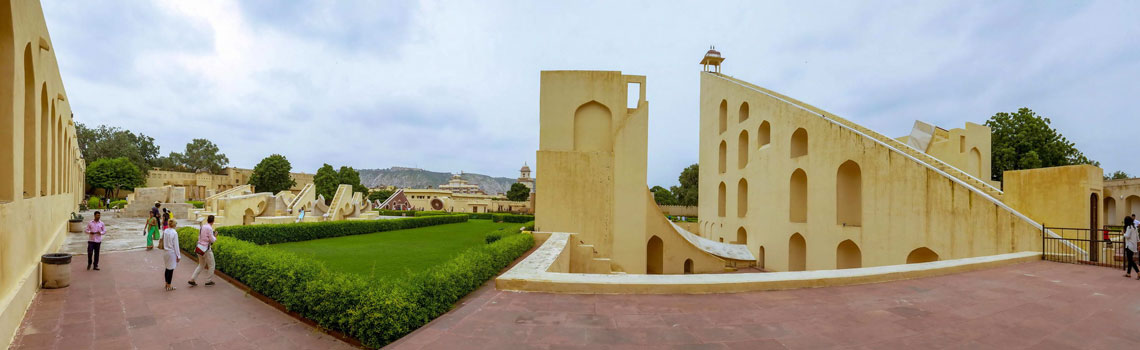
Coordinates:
(513, 218)
(374, 313)
(529, 226)
(197, 204)
(282, 233)
(120, 204)
(433, 213)
(410, 213)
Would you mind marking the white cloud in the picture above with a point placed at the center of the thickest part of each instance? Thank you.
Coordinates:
(453, 86)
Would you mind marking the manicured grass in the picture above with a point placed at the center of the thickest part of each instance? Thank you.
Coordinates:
(391, 254)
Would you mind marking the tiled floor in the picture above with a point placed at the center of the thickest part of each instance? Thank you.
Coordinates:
(1033, 305)
(124, 306)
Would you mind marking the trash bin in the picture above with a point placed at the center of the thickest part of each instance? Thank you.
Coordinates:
(56, 270)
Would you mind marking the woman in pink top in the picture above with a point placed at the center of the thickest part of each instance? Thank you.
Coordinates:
(95, 231)
(206, 240)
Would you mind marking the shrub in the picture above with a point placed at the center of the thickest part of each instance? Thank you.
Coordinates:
(481, 216)
(432, 213)
(118, 204)
(94, 202)
(376, 314)
(281, 233)
(197, 204)
(512, 218)
(492, 237)
(529, 226)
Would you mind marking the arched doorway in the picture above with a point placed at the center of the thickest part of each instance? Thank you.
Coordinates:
(654, 256)
(1110, 211)
(1094, 231)
(848, 255)
(797, 253)
(760, 257)
(921, 255)
(688, 266)
(247, 219)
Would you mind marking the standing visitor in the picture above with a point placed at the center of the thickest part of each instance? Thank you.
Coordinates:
(152, 232)
(1130, 239)
(172, 255)
(95, 231)
(165, 225)
(205, 252)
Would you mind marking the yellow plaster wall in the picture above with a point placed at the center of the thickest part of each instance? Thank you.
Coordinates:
(905, 205)
(957, 149)
(39, 185)
(1122, 197)
(1057, 196)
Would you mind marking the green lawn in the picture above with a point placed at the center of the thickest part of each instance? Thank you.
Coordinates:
(391, 254)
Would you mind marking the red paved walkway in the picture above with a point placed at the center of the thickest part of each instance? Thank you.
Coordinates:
(124, 306)
(1034, 305)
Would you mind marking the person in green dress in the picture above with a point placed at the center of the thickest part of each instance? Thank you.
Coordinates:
(152, 230)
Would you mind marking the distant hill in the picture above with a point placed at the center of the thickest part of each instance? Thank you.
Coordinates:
(420, 178)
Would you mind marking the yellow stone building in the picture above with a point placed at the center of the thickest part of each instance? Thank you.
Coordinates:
(204, 184)
(41, 169)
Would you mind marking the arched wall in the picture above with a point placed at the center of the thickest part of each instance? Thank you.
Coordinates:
(798, 197)
(723, 116)
(799, 143)
(721, 193)
(741, 236)
(974, 162)
(797, 253)
(688, 268)
(905, 204)
(760, 257)
(29, 123)
(764, 134)
(849, 194)
(1110, 212)
(742, 150)
(848, 255)
(654, 256)
(921, 255)
(723, 160)
(592, 130)
(1132, 206)
(46, 128)
(742, 198)
(743, 112)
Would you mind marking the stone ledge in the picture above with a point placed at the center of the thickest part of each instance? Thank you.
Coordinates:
(531, 275)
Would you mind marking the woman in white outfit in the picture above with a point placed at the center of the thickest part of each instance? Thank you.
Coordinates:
(1131, 236)
(171, 254)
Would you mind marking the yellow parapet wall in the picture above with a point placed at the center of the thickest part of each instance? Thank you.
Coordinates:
(545, 270)
(41, 169)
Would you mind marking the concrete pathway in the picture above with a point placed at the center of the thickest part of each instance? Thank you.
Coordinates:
(1040, 305)
(124, 306)
(122, 233)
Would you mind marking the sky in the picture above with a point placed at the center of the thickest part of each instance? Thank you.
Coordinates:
(453, 85)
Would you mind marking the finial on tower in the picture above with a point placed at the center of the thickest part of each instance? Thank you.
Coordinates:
(712, 59)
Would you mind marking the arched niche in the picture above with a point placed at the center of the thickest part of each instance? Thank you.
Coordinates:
(799, 143)
(723, 116)
(921, 255)
(742, 150)
(763, 134)
(797, 196)
(654, 256)
(742, 198)
(849, 194)
(720, 200)
(848, 255)
(592, 127)
(797, 253)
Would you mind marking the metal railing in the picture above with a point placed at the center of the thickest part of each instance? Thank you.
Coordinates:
(1101, 247)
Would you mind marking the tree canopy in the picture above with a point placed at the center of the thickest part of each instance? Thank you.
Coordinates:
(272, 174)
(1117, 175)
(687, 194)
(200, 155)
(663, 196)
(113, 174)
(1024, 140)
(349, 176)
(518, 192)
(380, 195)
(105, 142)
(326, 181)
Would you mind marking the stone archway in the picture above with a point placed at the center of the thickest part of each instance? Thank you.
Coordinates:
(654, 256)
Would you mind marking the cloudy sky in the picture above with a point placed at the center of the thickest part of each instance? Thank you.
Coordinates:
(451, 86)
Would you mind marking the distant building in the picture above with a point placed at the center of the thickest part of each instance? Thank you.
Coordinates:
(525, 179)
(458, 185)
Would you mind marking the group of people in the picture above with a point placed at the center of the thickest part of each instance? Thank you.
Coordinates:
(1131, 237)
(167, 239)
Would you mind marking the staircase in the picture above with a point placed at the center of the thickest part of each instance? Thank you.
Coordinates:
(897, 145)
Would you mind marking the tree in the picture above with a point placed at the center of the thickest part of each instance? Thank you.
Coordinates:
(380, 195)
(1117, 175)
(1024, 140)
(348, 176)
(326, 181)
(201, 155)
(111, 142)
(518, 192)
(272, 174)
(687, 194)
(663, 196)
(113, 174)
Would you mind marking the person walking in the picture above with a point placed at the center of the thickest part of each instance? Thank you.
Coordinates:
(1131, 237)
(170, 248)
(205, 252)
(165, 225)
(152, 230)
(95, 231)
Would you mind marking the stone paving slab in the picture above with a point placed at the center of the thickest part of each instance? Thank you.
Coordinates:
(1042, 305)
(123, 233)
(124, 306)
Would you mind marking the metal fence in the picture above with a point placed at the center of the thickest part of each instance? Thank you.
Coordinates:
(1100, 247)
